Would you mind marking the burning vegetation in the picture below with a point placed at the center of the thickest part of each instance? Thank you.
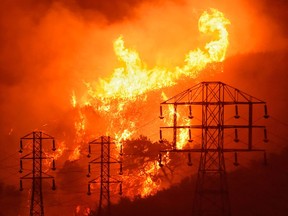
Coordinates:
(117, 101)
(83, 69)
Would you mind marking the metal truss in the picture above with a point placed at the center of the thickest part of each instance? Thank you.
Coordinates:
(35, 139)
(212, 98)
(105, 160)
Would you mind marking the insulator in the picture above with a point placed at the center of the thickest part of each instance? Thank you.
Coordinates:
(189, 160)
(89, 190)
(21, 146)
(236, 139)
(190, 136)
(53, 165)
(236, 112)
(121, 169)
(21, 167)
(265, 159)
(53, 146)
(160, 160)
(161, 140)
(236, 159)
(89, 151)
(190, 113)
(265, 135)
(120, 189)
(161, 113)
(21, 185)
(53, 184)
(121, 150)
(265, 112)
(89, 170)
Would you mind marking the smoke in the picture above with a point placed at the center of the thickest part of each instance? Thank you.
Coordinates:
(49, 48)
(277, 12)
(9, 196)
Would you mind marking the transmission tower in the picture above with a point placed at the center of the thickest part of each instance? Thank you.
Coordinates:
(212, 99)
(34, 142)
(105, 179)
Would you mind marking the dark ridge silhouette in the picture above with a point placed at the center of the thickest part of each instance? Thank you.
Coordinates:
(254, 190)
(10, 199)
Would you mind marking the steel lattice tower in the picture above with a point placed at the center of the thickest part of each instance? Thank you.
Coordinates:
(211, 194)
(34, 140)
(105, 179)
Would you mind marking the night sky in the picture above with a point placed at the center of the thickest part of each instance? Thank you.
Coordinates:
(50, 48)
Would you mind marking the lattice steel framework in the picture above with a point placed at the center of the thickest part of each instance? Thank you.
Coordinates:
(34, 141)
(211, 194)
(105, 160)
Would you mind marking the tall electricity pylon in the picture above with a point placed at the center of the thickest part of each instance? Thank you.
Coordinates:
(213, 100)
(105, 179)
(34, 142)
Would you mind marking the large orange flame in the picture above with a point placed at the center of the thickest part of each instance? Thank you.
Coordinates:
(182, 135)
(113, 97)
(134, 78)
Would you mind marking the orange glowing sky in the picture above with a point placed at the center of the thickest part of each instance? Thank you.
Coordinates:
(50, 49)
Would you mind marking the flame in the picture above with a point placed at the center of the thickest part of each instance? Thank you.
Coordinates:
(134, 78)
(80, 126)
(59, 150)
(73, 99)
(182, 134)
(123, 136)
(113, 97)
(54, 155)
(215, 51)
(150, 186)
(85, 211)
(76, 154)
(77, 209)
(118, 99)
(144, 181)
(148, 177)
(11, 131)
